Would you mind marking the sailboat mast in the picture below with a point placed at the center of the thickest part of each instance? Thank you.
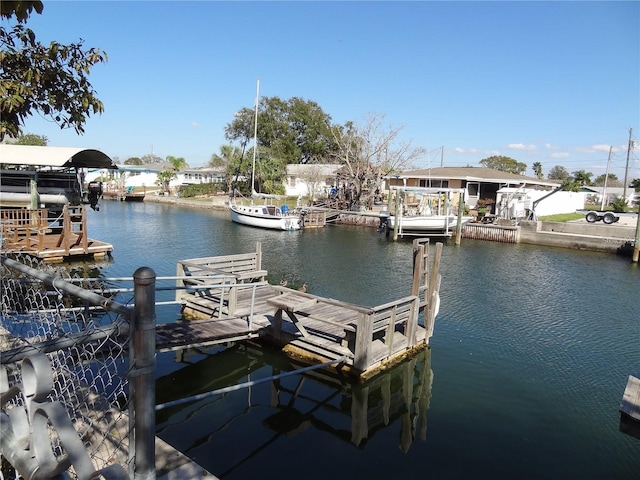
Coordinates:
(255, 139)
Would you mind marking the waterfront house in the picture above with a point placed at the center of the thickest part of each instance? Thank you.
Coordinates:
(480, 184)
(196, 176)
(312, 180)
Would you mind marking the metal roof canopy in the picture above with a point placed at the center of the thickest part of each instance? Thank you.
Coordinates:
(27, 155)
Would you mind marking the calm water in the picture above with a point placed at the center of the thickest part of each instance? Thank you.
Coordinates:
(530, 356)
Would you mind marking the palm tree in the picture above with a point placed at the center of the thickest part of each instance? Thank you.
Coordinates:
(229, 158)
(168, 174)
(582, 177)
(537, 169)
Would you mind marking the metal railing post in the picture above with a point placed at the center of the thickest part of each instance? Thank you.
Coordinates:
(143, 373)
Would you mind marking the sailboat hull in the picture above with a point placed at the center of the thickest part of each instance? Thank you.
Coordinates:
(264, 216)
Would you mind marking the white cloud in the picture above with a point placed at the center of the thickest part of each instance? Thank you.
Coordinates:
(195, 125)
(465, 150)
(521, 146)
(559, 155)
(600, 148)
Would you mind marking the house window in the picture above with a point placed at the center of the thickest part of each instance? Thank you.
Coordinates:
(434, 183)
(473, 189)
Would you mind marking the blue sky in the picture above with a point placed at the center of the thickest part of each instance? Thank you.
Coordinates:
(550, 82)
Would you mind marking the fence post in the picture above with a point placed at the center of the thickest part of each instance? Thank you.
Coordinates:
(143, 372)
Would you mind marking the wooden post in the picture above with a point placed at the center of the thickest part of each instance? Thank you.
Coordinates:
(398, 214)
(445, 211)
(362, 350)
(460, 213)
(412, 322)
(636, 248)
(418, 256)
(179, 282)
(258, 256)
(35, 199)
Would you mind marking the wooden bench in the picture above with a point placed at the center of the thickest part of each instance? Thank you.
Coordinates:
(220, 273)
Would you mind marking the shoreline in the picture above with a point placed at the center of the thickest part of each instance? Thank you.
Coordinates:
(579, 234)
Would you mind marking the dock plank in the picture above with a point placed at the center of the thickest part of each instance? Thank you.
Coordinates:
(631, 399)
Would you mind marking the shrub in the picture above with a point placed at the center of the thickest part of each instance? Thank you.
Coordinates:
(619, 204)
(188, 191)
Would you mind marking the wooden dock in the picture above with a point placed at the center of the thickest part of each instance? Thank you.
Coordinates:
(128, 194)
(227, 299)
(51, 237)
(631, 399)
(630, 408)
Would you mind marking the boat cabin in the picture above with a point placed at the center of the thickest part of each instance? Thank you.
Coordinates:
(36, 177)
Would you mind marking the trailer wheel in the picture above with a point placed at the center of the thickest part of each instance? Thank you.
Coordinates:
(591, 217)
(609, 218)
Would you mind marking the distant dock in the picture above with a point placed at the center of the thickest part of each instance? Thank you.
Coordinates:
(128, 194)
(52, 239)
(227, 299)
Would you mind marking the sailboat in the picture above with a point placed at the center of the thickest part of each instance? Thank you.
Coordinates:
(266, 215)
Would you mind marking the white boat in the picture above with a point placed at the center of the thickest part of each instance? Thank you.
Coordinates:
(266, 215)
(423, 211)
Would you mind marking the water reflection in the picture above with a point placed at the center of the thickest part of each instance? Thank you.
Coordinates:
(353, 413)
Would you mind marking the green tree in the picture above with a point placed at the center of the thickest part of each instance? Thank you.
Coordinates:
(48, 80)
(168, 174)
(558, 173)
(291, 131)
(164, 179)
(582, 177)
(177, 163)
(635, 184)
(537, 170)
(229, 159)
(612, 180)
(504, 164)
(133, 161)
(32, 139)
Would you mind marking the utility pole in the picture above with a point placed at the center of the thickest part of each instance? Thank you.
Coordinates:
(626, 170)
(442, 156)
(606, 176)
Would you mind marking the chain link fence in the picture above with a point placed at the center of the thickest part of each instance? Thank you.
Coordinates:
(86, 340)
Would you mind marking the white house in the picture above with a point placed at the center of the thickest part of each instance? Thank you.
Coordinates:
(191, 176)
(127, 176)
(610, 193)
(311, 180)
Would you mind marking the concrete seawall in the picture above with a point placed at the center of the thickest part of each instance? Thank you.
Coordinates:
(578, 235)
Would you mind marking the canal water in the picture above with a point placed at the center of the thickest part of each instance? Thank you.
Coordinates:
(526, 370)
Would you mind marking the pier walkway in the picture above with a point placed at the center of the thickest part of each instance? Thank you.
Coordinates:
(226, 299)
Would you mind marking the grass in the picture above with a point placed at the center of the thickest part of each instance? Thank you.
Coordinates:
(562, 217)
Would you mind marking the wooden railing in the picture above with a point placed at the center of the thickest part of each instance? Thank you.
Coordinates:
(74, 229)
(394, 324)
(34, 230)
(21, 225)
